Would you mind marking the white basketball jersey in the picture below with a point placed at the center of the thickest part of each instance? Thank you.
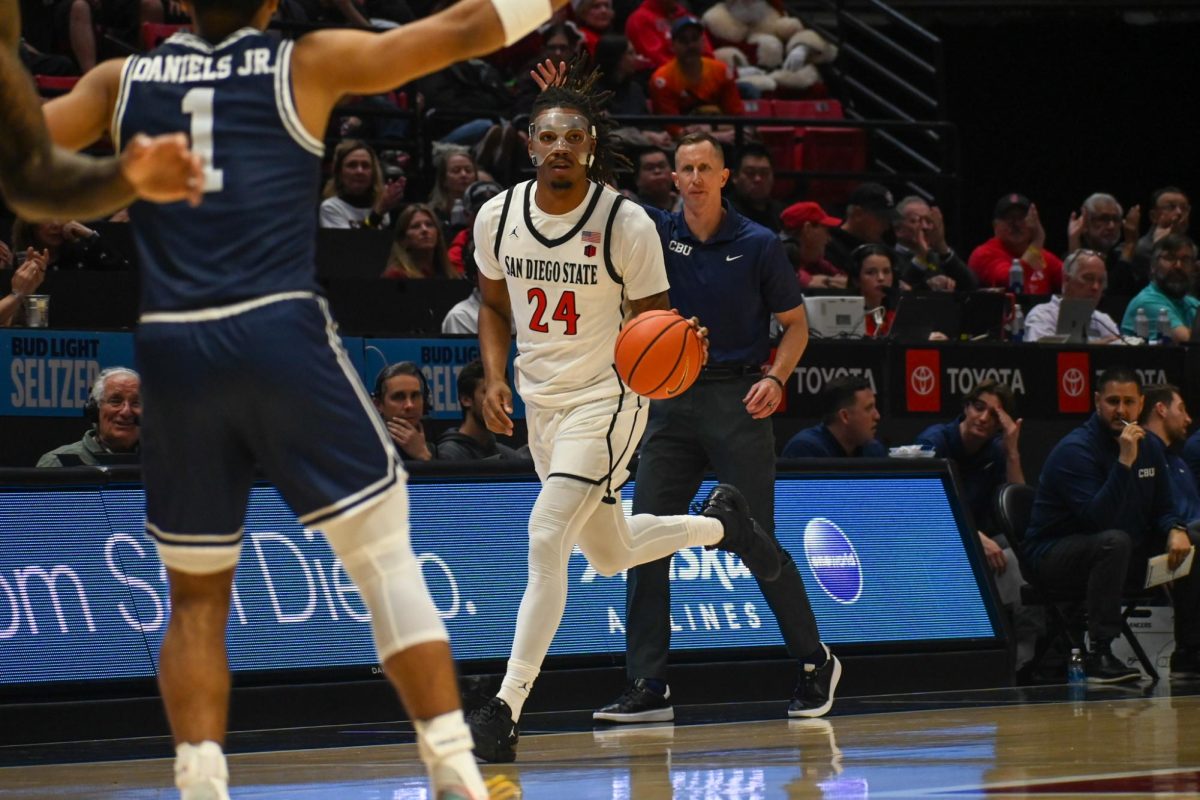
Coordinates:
(569, 280)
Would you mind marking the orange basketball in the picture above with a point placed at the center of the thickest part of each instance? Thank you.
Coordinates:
(658, 355)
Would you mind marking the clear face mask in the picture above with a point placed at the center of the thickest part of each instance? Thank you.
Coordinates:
(558, 132)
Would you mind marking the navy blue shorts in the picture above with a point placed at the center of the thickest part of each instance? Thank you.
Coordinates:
(264, 383)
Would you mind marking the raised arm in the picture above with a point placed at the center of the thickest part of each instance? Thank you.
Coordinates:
(330, 63)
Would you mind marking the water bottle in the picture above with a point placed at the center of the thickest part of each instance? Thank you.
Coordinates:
(1016, 277)
(1016, 328)
(1164, 326)
(1076, 675)
(1141, 325)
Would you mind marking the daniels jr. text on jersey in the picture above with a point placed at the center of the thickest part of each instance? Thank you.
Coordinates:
(194, 68)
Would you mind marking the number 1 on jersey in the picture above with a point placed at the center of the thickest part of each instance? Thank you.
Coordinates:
(563, 312)
(198, 104)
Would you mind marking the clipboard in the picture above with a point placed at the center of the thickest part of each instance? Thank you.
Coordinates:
(1158, 573)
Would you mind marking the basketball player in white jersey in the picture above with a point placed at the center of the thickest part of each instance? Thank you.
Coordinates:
(567, 260)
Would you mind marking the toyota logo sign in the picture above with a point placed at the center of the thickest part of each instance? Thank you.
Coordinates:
(922, 380)
(1072, 382)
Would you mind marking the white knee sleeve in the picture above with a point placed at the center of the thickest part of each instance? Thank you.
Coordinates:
(376, 551)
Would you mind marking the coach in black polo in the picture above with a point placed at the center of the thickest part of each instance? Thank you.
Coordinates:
(732, 274)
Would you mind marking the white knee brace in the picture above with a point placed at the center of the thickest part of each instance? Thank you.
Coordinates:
(376, 551)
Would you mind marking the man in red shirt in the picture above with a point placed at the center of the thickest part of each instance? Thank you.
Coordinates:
(692, 83)
(649, 29)
(1018, 234)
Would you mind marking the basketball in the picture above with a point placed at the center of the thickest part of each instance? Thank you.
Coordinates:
(658, 355)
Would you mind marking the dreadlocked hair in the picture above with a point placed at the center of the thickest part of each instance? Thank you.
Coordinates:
(577, 90)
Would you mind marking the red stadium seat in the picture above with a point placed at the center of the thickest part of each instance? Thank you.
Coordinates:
(54, 85)
(154, 33)
(808, 109)
(832, 150)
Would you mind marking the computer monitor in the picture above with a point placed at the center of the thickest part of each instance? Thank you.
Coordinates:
(1074, 319)
(833, 316)
(918, 315)
(983, 314)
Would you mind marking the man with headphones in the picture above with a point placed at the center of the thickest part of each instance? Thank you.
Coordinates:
(114, 408)
(402, 397)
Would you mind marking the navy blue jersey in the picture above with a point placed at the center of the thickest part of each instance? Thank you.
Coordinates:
(982, 472)
(254, 234)
(733, 282)
(819, 442)
(1084, 488)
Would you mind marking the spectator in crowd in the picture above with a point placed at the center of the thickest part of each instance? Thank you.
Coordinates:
(1084, 276)
(114, 408)
(847, 429)
(1101, 225)
(560, 42)
(454, 168)
(6, 256)
(594, 18)
(1166, 420)
(401, 396)
(355, 194)
(1173, 276)
(806, 234)
(650, 28)
(463, 317)
(69, 245)
(1170, 212)
(872, 276)
(929, 263)
(1018, 235)
(870, 213)
(475, 196)
(419, 247)
(1103, 505)
(472, 441)
(655, 188)
(619, 65)
(984, 443)
(86, 18)
(692, 83)
(25, 281)
(475, 87)
(753, 182)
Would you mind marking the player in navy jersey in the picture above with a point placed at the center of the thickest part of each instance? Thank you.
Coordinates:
(42, 182)
(240, 360)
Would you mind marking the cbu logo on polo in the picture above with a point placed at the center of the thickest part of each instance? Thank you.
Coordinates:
(833, 560)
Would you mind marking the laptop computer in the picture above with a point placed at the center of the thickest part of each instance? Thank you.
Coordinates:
(918, 315)
(834, 316)
(983, 314)
(1074, 319)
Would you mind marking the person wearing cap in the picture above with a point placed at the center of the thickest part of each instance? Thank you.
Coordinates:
(463, 317)
(926, 261)
(692, 83)
(1018, 235)
(870, 213)
(753, 182)
(649, 28)
(805, 235)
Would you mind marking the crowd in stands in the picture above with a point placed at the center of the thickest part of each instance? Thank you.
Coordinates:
(659, 57)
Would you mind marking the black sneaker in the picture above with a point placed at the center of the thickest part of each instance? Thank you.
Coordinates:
(1102, 666)
(743, 536)
(639, 703)
(1185, 664)
(816, 688)
(494, 731)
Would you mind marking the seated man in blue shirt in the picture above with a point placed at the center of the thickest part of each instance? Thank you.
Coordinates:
(983, 442)
(1166, 421)
(1172, 272)
(1103, 505)
(847, 429)
(1191, 456)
